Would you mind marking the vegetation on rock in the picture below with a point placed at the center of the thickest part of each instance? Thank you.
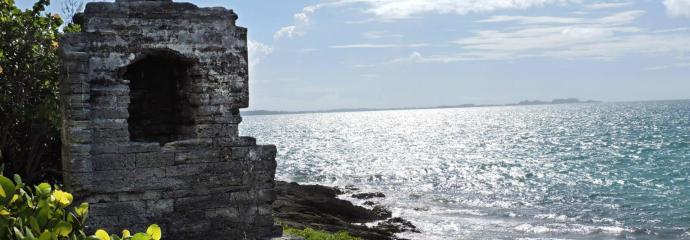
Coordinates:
(318, 207)
(311, 234)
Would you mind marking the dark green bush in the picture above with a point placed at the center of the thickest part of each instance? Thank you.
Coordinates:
(29, 109)
(44, 213)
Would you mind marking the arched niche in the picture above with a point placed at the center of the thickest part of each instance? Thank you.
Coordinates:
(159, 89)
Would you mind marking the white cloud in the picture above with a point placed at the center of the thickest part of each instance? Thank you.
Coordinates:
(307, 11)
(388, 10)
(531, 20)
(607, 5)
(396, 9)
(678, 8)
(618, 18)
(380, 35)
(622, 18)
(614, 47)
(257, 51)
(537, 38)
(417, 57)
(551, 37)
(303, 18)
(672, 30)
(674, 65)
(608, 37)
(289, 32)
(366, 45)
(413, 57)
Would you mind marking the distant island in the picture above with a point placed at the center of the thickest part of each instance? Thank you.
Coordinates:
(522, 103)
(556, 101)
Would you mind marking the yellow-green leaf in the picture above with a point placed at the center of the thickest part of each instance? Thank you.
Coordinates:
(126, 233)
(154, 231)
(102, 234)
(6, 187)
(44, 189)
(141, 236)
(45, 236)
(63, 229)
(83, 209)
(44, 215)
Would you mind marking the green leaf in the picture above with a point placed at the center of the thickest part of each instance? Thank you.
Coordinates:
(44, 189)
(43, 216)
(102, 234)
(7, 187)
(141, 236)
(83, 209)
(28, 232)
(18, 233)
(154, 231)
(45, 236)
(17, 179)
(34, 224)
(63, 228)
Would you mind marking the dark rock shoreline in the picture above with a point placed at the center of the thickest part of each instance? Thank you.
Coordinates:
(318, 207)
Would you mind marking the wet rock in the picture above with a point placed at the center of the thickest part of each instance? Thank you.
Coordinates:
(380, 212)
(368, 195)
(317, 207)
(351, 188)
(369, 203)
(397, 224)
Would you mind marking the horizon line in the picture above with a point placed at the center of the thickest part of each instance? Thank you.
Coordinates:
(466, 105)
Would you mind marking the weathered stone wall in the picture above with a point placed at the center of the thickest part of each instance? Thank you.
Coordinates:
(198, 179)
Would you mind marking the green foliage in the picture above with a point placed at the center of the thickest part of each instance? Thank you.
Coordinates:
(29, 70)
(311, 234)
(72, 27)
(44, 213)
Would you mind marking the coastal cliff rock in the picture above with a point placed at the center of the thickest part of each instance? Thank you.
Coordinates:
(317, 207)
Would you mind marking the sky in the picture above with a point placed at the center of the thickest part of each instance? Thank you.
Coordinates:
(314, 55)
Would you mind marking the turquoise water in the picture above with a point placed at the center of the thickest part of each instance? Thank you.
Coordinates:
(583, 171)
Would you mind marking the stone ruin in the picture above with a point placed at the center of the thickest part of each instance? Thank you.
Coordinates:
(151, 92)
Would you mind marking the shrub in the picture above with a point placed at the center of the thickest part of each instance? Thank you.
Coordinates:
(44, 213)
(311, 234)
(29, 109)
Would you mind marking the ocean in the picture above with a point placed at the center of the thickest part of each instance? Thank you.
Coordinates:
(576, 171)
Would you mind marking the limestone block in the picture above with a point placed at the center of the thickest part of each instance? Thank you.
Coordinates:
(113, 162)
(154, 159)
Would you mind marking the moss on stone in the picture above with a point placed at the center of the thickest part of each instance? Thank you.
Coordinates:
(311, 234)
